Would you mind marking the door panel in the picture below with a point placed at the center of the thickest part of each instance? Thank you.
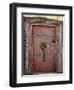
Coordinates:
(44, 48)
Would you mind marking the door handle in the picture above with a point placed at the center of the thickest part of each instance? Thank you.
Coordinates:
(43, 47)
(54, 41)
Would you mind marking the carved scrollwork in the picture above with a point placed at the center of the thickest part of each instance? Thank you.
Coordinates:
(41, 20)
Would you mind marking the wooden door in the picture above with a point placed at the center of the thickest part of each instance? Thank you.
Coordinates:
(44, 48)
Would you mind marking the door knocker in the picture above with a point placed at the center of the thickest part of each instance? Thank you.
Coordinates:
(43, 46)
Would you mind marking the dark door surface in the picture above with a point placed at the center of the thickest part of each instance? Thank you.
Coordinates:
(44, 48)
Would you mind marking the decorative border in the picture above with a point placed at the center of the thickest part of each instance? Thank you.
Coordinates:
(42, 21)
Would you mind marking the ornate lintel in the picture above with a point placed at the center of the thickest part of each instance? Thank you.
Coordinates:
(41, 20)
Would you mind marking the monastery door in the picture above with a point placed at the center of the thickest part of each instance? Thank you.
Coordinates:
(44, 48)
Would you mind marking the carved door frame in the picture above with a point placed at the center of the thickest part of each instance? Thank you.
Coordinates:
(29, 22)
